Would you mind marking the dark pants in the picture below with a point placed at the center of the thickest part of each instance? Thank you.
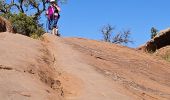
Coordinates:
(53, 22)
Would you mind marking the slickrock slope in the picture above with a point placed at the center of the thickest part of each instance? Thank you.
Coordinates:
(142, 76)
(26, 71)
(78, 69)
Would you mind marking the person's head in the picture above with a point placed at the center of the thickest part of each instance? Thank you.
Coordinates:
(52, 1)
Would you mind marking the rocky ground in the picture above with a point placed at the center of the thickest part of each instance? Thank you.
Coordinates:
(56, 68)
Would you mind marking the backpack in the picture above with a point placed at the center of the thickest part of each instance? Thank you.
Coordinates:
(52, 12)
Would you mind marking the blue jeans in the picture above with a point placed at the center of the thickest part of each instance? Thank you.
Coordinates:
(52, 22)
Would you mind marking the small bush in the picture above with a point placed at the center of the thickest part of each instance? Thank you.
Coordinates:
(154, 32)
(25, 25)
(167, 57)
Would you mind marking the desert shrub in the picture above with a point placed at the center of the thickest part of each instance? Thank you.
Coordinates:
(25, 25)
(154, 32)
(122, 37)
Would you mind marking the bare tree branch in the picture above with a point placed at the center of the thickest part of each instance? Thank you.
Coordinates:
(6, 8)
(122, 37)
(3, 11)
(107, 32)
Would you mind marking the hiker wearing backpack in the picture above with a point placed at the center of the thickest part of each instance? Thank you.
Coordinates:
(53, 16)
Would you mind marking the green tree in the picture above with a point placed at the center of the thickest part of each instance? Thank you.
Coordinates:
(23, 6)
(154, 32)
(25, 25)
(24, 22)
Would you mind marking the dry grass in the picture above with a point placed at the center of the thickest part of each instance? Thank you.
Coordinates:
(164, 53)
(167, 57)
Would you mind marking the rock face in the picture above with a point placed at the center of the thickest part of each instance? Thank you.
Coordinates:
(162, 39)
(78, 69)
(5, 25)
(26, 71)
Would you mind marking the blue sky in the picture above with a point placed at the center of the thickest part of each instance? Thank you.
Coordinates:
(85, 18)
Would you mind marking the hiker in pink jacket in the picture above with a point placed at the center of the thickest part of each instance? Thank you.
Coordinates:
(53, 15)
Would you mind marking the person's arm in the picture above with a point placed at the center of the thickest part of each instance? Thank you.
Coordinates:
(47, 12)
(58, 8)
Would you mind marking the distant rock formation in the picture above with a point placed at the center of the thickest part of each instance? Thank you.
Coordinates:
(162, 39)
(5, 25)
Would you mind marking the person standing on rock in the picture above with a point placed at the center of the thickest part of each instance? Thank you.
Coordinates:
(53, 16)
